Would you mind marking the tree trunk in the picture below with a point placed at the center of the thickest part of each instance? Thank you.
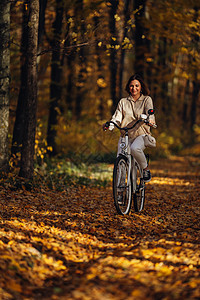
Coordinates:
(195, 94)
(41, 29)
(71, 79)
(30, 101)
(19, 119)
(4, 81)
(70, 58)
(195, 82)
(100, 68)
(140, 40)
(162, 52)
(122, 54)
(82, 61)
(56, 73)
(113, 53)
(186, 102)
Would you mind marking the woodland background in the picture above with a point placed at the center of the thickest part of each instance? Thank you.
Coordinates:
(63, 68)
(82, 54)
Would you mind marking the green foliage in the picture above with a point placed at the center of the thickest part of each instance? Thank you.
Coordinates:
(60, 173)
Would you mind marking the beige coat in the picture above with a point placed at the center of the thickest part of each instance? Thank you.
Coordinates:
(128, 112)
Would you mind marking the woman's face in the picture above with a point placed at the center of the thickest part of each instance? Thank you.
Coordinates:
(135, 88)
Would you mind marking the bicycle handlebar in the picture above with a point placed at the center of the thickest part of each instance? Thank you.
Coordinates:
(107, 124)
(123, 128)
(150, 112)
(151, 125)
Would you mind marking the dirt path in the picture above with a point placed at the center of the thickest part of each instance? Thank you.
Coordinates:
(72, 245)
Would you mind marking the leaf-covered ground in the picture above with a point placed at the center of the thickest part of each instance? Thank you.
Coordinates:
(73, 245)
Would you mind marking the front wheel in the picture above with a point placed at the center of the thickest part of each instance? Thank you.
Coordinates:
(139, 194)
(122, 186)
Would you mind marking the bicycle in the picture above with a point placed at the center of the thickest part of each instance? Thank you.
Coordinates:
(128, 183)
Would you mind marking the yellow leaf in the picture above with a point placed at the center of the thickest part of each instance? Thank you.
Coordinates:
(14, 286)
(149, 59)
(117, 18)
(101, 83)
(137, 293)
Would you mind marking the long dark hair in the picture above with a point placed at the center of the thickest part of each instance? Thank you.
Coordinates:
(144, 89)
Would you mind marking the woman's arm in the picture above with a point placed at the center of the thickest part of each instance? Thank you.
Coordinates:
(117, 117)
(149, 105)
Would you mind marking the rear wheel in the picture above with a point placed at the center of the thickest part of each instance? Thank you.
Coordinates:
(121, 186)
(139, 195)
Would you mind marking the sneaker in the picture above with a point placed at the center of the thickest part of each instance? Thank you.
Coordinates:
(146, 175)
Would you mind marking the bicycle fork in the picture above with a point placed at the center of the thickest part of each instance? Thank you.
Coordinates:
(134, 175)
(141, 186)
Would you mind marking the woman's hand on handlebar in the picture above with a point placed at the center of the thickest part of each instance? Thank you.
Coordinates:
(107, 126)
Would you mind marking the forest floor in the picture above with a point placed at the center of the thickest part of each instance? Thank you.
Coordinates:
(73, 245)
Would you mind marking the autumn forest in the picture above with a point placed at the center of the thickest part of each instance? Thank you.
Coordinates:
(64, 66)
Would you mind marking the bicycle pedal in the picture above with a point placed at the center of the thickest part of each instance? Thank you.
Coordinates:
(120, 200)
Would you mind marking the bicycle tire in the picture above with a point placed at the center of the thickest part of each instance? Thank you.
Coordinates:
(121, 191)
(139, 195)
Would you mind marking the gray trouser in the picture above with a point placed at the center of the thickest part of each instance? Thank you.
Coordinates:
(137, 147)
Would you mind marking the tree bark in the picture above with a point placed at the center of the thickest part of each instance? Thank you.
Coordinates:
(30, 101)
(19, 118)
(4, 81)
(113, 53)
(82, 61)
(140, 41)
(100, 68)
(56, 73)
(122, 54)
(41, 28)
(70, 58)
(195, 81)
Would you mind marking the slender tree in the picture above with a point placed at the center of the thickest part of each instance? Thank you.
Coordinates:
(4, 81)
(30, 100)
(100, 68)
(71, 69)
(41, 28)
(19, 119)
(82, 58)
(140, 39)
(20, 111)
(126, 13)
(195, 81)
(56, 73)
(70, 58)
(113, 52)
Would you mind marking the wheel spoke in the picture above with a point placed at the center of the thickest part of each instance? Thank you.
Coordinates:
(121, 188)
(139, 195)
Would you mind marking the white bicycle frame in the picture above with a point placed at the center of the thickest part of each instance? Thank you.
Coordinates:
(132, 164)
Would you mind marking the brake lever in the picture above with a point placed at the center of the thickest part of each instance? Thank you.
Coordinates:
(152, 125)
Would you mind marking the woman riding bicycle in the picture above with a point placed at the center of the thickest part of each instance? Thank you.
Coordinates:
(128, 112)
